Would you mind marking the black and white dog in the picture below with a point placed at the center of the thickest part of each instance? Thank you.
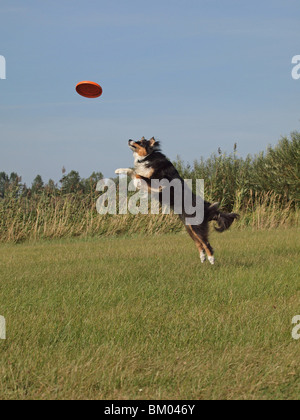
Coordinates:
(150, 164)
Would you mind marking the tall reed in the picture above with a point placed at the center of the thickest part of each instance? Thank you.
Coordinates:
(75, 215)
(264, 189)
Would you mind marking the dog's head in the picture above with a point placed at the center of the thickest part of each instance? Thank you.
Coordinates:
(144, 147)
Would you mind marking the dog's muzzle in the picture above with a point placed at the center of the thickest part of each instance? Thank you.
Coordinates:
(131, 144)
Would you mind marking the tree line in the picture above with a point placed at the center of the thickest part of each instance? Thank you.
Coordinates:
(229, 178)
(71, 183)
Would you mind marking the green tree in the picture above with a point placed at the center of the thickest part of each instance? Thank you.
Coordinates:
(71, 183)
(4, 183)
(15, 187)
(37, 185)
(90, 183)
(51, 187)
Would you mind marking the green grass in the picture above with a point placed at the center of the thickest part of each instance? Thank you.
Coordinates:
(141, 318)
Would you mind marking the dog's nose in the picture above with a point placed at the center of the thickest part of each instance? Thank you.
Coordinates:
(130, 141)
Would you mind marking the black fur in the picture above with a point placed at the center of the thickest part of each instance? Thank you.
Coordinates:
(164, 169)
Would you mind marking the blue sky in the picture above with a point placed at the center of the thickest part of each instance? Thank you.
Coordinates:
(197, 74)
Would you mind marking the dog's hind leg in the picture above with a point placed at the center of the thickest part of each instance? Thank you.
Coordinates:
(202, 255)
(210, 253)
(201, 232)
(198, 243)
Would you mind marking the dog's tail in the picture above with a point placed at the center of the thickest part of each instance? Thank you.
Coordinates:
(224, 220)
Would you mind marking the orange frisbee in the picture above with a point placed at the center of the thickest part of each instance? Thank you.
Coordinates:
(89, 89)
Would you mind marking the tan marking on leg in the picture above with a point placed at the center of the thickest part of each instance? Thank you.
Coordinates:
(204, 243)
(197, 241)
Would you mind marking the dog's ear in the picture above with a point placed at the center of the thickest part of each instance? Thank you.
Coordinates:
(143, 138)
(152, 142)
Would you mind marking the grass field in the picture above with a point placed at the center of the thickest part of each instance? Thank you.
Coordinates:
(141, 318)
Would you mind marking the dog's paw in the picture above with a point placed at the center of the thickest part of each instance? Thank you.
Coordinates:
(211, 260)
(137, 183)
(123, 171)
(202, 256)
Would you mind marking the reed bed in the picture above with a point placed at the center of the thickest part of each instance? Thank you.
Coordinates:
(264, 189)
(73, 215)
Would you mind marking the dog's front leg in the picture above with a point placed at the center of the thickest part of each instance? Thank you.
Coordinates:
(125, 171)
(137, 179)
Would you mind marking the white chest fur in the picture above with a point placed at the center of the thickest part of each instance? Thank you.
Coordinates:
(141, 168)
